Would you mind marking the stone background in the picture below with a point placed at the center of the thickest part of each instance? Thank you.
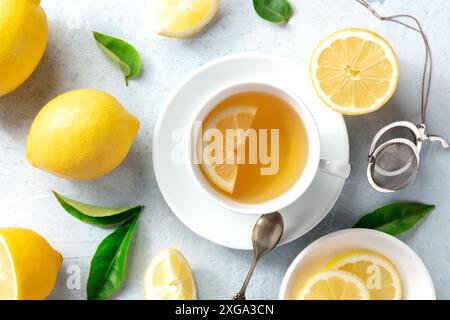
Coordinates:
(73, 61)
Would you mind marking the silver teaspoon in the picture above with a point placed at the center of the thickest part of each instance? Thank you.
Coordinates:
(266, 234)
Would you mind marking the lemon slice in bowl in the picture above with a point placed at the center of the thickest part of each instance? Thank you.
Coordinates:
(334, 285)
(169, 277)
(377, 272)
(220, 164)
(354, 71)
(181, 18)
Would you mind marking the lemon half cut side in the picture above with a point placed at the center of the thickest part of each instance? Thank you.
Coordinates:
(354, 71)
(28, 265)
(8, 288)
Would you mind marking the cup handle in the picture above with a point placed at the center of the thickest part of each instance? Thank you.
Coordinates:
(335, 168)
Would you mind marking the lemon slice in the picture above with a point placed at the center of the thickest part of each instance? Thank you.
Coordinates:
(377, 272)
(220, 164)
(181, 18)
(169, 277)
(354, 71)
(334, 285)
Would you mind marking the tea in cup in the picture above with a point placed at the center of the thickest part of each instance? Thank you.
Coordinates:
(254, 148)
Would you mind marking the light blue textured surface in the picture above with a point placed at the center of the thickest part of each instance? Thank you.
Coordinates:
(73, 61)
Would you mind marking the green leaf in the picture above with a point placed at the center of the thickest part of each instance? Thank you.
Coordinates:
(122, 53)
(98, 216)
(395, 218)
(109, 262)
(276, 11)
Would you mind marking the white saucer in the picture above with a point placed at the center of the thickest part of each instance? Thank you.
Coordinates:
(416, 280)
(181, 193)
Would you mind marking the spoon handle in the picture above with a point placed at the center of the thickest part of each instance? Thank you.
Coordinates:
(241, 294)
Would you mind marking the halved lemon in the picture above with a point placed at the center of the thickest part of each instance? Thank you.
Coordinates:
(220, 164)
(334, 285)
(28, 265)
(354, 71)
(169, 277)
(181, 18)
(377, 272)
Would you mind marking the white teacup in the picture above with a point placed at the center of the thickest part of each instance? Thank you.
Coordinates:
(313, 162)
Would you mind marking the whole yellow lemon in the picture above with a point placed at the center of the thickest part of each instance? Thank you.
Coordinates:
(81, 135)
(23, 39)
(28, 265)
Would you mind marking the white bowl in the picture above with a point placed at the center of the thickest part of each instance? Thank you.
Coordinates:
(416, 280)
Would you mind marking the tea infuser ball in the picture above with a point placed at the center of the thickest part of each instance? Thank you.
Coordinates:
(394, 155)
(393, 162)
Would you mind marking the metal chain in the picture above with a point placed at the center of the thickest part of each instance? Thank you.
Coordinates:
(428, 67)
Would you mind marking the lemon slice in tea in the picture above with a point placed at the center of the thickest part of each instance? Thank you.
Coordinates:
(220, 164)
